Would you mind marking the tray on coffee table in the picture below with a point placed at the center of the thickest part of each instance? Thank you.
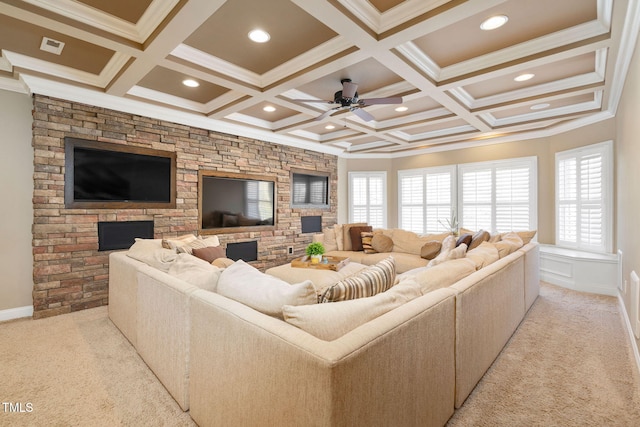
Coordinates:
(334, 263)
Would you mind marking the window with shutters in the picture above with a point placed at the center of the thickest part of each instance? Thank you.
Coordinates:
(426, 198)
(498, 196)
(584, 205)
(368, 198)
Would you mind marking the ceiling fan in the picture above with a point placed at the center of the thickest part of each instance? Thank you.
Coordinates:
(347, 98)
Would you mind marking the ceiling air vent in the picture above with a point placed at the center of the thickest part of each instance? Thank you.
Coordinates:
(51, 45)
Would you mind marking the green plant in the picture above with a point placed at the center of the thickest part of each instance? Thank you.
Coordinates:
(451, 224)
(315, 248)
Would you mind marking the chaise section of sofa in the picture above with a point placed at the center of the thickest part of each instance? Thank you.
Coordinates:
(248, 368)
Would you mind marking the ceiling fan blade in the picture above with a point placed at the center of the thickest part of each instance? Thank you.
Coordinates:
(373, 101)
(322, 101)
(349, 89)
(363, 114)
(326, 114)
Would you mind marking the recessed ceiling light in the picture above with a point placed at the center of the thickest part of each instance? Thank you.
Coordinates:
(259, 36)
(190, 83)
(494, 22)
(401, 109)
(540, 106)
(269, 108)
(524, 77)
(329, 127)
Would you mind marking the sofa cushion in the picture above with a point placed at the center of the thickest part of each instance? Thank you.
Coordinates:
(329, 242)
(381, 243)
(368, 282)
(509, 243)
(267, 294)
(404, 262)
(209, 253)
(443, 275)
(151, 252)
(486, 253)
(355, 233)
(330, 321)
(430, 249)
(339, 239)
(477, 239)
(526, 236)
(195, 271)
(346, 234)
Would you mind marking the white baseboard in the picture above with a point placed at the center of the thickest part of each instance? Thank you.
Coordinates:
(16, 313)
(632, 338)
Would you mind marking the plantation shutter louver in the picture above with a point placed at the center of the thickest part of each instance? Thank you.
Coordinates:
(368, 201)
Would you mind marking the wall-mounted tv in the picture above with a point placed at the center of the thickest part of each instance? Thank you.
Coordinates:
(112, 176)
(231, 202)
(309, 189)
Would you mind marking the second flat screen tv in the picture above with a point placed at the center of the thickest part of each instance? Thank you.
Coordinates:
(229, 202)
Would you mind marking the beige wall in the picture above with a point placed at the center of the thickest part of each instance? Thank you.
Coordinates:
(542, 148)
(16, 191)
(627, 149)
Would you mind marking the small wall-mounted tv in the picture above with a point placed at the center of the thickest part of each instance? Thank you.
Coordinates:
(309, 189)
(231, 202)
(112, 176)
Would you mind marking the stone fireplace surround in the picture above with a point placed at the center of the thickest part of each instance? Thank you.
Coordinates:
(70, 273)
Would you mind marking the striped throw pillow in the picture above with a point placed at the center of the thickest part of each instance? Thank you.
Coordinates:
(368, 282)
(367, 236)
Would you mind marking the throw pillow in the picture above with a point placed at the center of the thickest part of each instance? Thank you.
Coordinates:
(267, 294)
(448, 244)
(339, 236)
(356, 236)
(346, 235)
(382, 243)
(329, 242)
(152, 253)
(176, 242)
(195, 271)
(509, 243)
(430, 249)
(478, 238)
(368, 282)
(222, 262)
(464, 238)
(330, 321)
(210, 253)
(367, 236)
(198, 243)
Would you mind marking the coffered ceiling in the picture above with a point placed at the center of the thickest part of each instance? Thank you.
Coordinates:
(455, 79)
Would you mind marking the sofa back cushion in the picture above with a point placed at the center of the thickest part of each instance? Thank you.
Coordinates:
(330, 321)
(195, 271)
(151, 252)
(368, 282)
(483, 255)
(267, 294)
(443, 275)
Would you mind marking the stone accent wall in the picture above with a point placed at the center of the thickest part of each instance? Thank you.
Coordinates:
(70, 273)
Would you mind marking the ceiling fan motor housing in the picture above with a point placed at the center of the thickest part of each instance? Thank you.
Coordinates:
(345, 102)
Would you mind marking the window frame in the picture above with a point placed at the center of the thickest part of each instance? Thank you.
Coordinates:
(424, 173)
(606, 150)
(367, 175)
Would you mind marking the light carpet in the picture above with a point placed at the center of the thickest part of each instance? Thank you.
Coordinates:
(569, 364)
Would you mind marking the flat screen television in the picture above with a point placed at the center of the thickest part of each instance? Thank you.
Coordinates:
(105, 175)
(309, 189)
(235, 202)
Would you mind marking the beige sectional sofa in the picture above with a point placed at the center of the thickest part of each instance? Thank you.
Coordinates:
(230, 364)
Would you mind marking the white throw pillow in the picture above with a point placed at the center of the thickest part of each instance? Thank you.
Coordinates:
(267, 294)
(448, 244)
(195, 271)
(330, 321)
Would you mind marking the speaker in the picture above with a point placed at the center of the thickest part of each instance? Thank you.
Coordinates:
(311, 224)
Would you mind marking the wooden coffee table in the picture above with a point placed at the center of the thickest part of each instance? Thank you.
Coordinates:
(334, 263)
(321, 278)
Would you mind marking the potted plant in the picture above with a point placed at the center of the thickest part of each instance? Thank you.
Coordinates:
(451, 224)
(315, 251)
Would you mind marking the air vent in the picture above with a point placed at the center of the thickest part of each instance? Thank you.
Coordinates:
(51, 46)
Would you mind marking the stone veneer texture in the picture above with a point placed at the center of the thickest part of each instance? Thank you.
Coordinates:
(70, 273)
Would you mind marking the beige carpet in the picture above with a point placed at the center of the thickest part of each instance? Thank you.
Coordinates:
(569, 364)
